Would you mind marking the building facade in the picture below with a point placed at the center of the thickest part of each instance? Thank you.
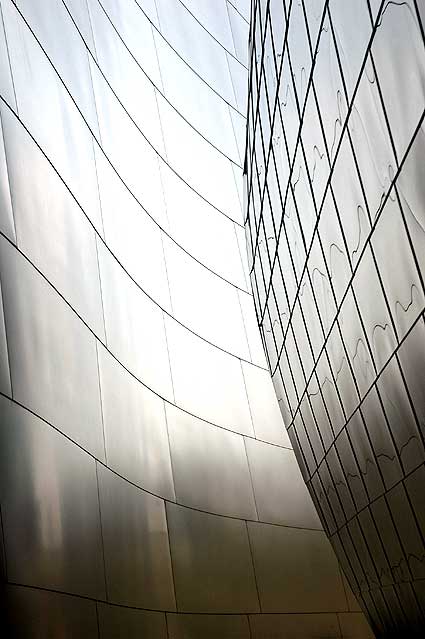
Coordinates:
(336, 240)
(148, 486)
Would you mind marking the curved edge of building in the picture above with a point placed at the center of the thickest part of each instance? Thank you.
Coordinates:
(147, 485)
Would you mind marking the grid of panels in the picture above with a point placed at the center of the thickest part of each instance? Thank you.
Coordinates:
(145, 477)
(336, 236)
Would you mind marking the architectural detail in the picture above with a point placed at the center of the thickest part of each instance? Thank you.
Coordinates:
(336, 241)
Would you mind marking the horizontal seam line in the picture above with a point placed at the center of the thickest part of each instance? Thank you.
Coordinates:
(139, 66)
(166, 500)
(185, 61)
(97, 141)
(211, 35)
(118, 360)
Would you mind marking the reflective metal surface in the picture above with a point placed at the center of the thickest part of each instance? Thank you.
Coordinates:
(137, 557)
(335, 235)
(50, 507)
(213, 551)
(148, 487)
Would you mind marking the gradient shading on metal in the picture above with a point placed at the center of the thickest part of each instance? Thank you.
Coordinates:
(336, 236)
(148, 486)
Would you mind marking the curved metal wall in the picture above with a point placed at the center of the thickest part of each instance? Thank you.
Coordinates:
(336, 236)
(145, 472)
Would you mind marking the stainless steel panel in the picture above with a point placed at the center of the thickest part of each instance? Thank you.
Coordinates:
(46, 108)
(239, 83)
(218, 395)
(411, 357)
(266, 416)
(137, 555)
(400, 278)
(214, 18)
(210, 306)
(5, 386)
(296, 570)
(207, 626)
(52, 231)
(135, 330)
(202, 230)
(7, 223)
(351, 42)
(195, 45)
(127, 623)
(313, 626)
(53, 359)
(375, 316)
(70, 61)
(240, 33)
(354, 626)
(180, 83)
(211, 175)
(134, 27)
(280, 492)
(213, 552)
(210, 466)
(133, 237)
(126, 147)
(6, 83)
(128, 81)
(353, 604)
(50, 507)
(136, 437)
(256, 348)
(36, 613)
(402, 92)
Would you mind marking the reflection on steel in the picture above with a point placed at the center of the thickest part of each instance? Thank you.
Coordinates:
(148, 486)
(336, 241)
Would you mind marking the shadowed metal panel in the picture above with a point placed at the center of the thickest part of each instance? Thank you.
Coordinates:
(212, 551)
(280, 493)
(124, 284)
(53, 358)
(39, 613)
(44, 473)
(313, 626)
(302, 573)
(136, 438)
(115, 621)
(137, 556)
(52, 231)
(336, 238)
(207, 626)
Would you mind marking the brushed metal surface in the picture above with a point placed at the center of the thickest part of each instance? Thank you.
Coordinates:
(136, 438)
(296, 570)
(218, 395)
(47, 109)
(52, 231)
(7, 222)
(194, 44)
(50, 507)
(266, 417)
(135, 330)
(210, 307)
(314, 626)
(5, 386)
(38, 613)
(280, 493)
(212, 551)
(137, 555)
(52, 355)
(207, 626)
(210, 466)
(115, 622)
